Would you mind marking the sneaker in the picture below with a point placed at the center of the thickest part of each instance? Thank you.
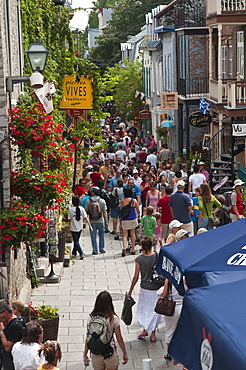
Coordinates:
(103, 251)
(94, 253)
(81, 257)
(116, 237)
(106, 231)
(112, 232)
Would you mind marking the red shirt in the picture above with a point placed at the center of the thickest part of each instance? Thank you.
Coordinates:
(166, 216)
(142, 156)
(145, 191)
(95, 176)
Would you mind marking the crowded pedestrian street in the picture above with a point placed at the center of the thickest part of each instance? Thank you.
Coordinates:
(75, 296)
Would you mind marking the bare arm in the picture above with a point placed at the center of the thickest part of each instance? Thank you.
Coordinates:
(171, 210)
(137, 208)
(86, 219)
(105, 215)
(189, 188)
(121, 342)
(138, 198)
(134, 279)
(164, 294)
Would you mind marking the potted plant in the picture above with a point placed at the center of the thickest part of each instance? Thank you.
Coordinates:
(48, 317)
(161, 132)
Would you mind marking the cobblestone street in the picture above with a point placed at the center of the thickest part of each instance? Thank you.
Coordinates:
(75, 295)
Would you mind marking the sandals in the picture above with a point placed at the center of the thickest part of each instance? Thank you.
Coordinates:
(133, 252)
(142, 335)
(168, 357)
(123, 253)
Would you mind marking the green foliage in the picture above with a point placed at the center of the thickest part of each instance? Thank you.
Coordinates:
(127, 19)
(123, 81)
(43, 312)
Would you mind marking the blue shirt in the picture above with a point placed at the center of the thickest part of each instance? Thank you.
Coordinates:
(180, 202)
(113, 182)
(195, 209)
(135, 191)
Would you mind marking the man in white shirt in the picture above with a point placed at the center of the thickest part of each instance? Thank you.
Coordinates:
(196, 180)
(120, 153)
(136, 178)
(151, 158)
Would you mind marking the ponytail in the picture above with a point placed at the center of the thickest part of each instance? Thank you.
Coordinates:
(75, 201)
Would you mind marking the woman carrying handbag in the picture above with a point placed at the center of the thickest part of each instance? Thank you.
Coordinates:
(171, 322)
(206, 202)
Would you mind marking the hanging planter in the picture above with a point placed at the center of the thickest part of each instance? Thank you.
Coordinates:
(161, 132)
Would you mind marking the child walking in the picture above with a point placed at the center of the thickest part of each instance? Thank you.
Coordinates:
(158, 231)
(148, 223)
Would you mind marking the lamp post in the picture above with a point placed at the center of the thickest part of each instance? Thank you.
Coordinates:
(37, 55)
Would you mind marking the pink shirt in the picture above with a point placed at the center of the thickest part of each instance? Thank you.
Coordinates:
(205, 173)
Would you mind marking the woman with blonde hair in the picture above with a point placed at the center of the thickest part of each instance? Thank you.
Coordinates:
(51, 350)
(206, 202)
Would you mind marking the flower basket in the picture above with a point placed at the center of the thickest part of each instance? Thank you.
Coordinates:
(161, 132)
(51, 327)
(48, 317)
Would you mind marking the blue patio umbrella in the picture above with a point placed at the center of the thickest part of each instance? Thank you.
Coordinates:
(221, 249)
(167, 123)
(211, 329)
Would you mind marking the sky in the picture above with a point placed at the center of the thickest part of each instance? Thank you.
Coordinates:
(80, 18)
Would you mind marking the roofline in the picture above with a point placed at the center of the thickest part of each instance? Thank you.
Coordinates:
(163, 11)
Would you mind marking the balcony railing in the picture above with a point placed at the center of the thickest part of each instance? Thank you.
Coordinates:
(221, 6)
(193, 87)
(236, 94)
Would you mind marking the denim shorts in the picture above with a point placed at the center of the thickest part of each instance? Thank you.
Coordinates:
(115, 212)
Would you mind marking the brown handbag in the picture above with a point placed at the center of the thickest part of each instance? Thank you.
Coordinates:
(165, 306)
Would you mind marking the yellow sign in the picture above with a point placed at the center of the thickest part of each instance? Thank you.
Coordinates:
(77, 93)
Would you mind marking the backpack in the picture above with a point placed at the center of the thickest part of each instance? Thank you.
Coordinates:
(227, 204)
(104, 196)
(125, 210)
(95, 210)
(225, 216)
(97, 337)
(113, 200)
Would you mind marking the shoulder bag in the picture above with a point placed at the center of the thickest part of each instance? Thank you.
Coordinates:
(156, 278)
(165, 306)
(213, 221)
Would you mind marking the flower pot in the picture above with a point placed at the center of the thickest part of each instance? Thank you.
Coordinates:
(50, 327)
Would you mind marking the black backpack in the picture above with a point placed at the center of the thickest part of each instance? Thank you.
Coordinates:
(97, 337)
(125, 210)
(225, 219)
(113, 200)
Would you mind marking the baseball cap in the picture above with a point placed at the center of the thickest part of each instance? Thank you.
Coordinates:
(180, 183)
(238, 182)
(130, 164)
(144, 149)
(135, 171)
(201, 162)
(96, 190)
(175, 223)
(89, 167)
(181, 233)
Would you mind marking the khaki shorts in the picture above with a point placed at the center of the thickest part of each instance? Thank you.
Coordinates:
(129, 224)
(98, 362)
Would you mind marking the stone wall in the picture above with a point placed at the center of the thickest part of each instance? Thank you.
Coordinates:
(18, 285)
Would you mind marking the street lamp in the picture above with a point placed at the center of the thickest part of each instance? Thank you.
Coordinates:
(37, 55)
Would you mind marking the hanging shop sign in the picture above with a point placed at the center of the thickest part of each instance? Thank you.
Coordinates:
(169, 100)
(77, 93)
(144, 114)
(239, 129)
(198, 119)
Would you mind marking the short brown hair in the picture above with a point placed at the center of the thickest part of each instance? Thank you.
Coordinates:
(146, 243)
(149, 211)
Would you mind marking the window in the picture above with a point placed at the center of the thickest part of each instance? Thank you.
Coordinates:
(230, 61)
(240, 53)
(223, 62)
